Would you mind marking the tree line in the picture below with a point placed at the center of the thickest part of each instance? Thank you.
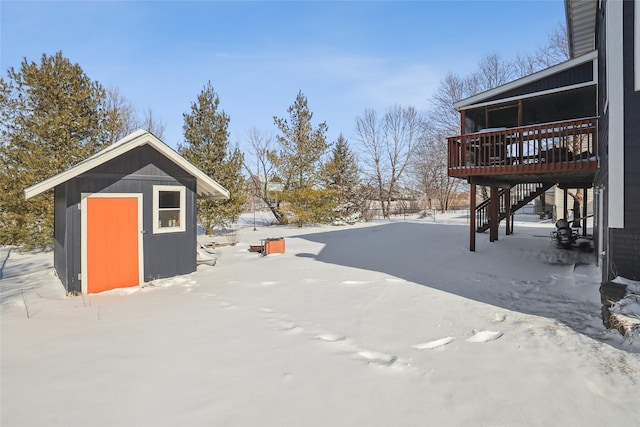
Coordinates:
(53, 116)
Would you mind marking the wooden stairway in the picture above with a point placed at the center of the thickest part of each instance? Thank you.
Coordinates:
(521, 194)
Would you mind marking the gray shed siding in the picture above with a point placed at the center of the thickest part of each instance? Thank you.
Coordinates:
(60, 234)
(137, 171)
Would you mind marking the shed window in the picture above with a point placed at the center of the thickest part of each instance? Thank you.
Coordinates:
(168, 208)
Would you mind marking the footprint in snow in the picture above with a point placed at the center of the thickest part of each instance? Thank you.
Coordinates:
(485, 336)
(434, 344)
(266, 310)
(375, 357)
(329, 337)
(268, 283)
(499, 317)
(289, 327)
(226, 304)
(353, 282)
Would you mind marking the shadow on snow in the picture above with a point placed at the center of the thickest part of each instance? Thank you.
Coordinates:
(523, 272)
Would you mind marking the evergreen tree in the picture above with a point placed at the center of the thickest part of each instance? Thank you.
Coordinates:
(310, 205)
(53, 117)
(298, 161)
(341, 175)
(207, 147)
(301, 147)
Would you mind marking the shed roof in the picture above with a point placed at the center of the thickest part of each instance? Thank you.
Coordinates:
(206, 186)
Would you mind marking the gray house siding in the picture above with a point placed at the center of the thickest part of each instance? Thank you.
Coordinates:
(137, 171)
(622, 245)
(625, 242)
(582, 73)
(632, 127)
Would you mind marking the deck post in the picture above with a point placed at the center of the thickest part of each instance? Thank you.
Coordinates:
(472, 215)
(565, 210)
(507, 208)
(494, 220)
(584, 212)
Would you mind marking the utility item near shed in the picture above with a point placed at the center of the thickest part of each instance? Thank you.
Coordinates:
(269, 246)
(126, 215)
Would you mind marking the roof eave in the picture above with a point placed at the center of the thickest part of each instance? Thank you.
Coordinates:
(206, 186)
(480, 97)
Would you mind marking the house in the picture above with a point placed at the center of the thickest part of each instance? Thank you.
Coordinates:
(126, 215)
(575, 125)
(617, 38)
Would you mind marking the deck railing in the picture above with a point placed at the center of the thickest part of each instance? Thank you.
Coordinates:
(519, 195)
(551, 147)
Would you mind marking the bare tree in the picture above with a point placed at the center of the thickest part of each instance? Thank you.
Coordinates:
(442, 114)
(492, 71)
(524, 65)
(367, 130)
(262, 171)
(123, 118)
(388, 146)
(151, 124)
(429, 169)
(556, 50)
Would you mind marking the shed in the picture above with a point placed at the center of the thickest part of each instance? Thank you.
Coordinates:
(126, 215)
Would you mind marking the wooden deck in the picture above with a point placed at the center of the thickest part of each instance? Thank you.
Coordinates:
(560, 151)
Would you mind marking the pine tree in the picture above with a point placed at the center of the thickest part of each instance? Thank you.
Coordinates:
(301, 147)
(341, 175)
(206, 145)
(52, 118)
(298, 160)
(310, 205)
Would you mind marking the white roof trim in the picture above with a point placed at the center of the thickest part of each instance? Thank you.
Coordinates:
(471, 101)
(206, 186)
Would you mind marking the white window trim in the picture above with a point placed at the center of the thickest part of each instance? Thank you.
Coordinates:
(156, 210)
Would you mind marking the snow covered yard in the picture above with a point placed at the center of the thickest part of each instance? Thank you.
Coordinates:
(390, 324)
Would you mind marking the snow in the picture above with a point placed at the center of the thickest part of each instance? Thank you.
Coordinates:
(385, 323)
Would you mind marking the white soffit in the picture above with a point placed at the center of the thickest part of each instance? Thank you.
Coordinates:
(581, 25)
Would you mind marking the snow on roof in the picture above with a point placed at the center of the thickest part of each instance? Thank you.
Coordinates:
(206, 186)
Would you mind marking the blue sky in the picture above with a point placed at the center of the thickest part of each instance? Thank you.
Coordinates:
(345, 56)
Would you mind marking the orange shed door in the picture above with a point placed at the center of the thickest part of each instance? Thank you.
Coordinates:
(112, 243)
